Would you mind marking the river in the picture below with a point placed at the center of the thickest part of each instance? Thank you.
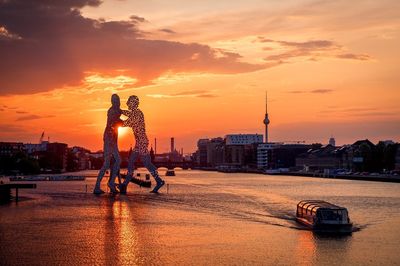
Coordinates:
(206, 218)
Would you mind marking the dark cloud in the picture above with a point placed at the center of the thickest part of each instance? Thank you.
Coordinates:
(362, 57)
(56, 45)
(309, 45)
(21, 112)
(32, 117)
(138, 19)
(168, 31)
(314, 50)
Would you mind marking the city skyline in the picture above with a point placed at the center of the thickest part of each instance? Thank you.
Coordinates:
(201, 70)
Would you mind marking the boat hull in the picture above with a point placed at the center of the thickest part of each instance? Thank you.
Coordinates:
(324, 228)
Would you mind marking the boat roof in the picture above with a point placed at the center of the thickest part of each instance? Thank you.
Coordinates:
(317, 204)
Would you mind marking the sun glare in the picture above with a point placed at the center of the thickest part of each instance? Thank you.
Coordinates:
(122, 131)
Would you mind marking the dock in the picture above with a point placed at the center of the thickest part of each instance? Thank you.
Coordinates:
(5, 191)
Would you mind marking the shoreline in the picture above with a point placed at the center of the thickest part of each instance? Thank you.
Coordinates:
(393, 179)
(378, 178)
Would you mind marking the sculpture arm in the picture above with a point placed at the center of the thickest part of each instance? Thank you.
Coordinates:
(126, 113)
(126, 123)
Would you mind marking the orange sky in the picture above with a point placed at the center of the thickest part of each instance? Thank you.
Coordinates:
(201, 69)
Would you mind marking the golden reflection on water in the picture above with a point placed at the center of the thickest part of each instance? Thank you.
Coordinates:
(305, 251)
(121, 242)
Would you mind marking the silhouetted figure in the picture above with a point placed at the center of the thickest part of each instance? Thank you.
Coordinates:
(136, 122)
(110, 148)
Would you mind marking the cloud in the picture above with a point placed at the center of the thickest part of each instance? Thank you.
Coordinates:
(321, 91)
(362, 57)
(191, 94)
(168, 31)
(21, 112)
(137, 19)
(308, 45)
(287, 18)
(312, 91)
(32, 117)
(297, 92)
(57, 46)
(9, 128)
(313, 49)
(345, 132)
(359, 112)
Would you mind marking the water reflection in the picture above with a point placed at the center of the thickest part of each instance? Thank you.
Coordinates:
(305, 250)
(121, 244)
(316, 249)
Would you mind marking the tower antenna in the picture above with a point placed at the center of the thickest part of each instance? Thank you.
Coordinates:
(266, 118)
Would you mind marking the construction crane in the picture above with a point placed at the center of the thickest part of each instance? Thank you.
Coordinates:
(41, 138)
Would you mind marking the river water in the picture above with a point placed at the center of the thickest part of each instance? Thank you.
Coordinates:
(206, 218)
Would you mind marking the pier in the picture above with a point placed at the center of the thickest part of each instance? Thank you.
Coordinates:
(5, 191)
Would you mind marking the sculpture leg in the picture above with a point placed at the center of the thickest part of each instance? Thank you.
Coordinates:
(116, 166)
(104, 168)
(131, 166)
(153, 171)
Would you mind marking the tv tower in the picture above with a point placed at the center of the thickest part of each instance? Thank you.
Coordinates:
(266, 119)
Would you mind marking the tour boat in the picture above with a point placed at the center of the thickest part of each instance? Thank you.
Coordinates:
(323, 217)
(170, 172)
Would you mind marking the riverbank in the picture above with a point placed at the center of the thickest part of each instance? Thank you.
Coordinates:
(376, 178)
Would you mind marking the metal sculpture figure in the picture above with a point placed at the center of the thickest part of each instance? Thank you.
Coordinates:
(110, 147)
(136, 122)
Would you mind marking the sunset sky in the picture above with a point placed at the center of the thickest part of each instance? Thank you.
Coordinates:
(201, 69)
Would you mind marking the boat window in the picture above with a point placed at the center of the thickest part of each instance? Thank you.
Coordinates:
(332, 215)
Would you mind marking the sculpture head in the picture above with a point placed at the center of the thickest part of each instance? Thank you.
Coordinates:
(133, 102)
(115, 101)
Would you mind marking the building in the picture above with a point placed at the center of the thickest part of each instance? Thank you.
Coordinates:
(320, 158)
(57, 156)
(240, 156)
(201, 154)
(172, 145)
(361, 154)
(234, 155)
(332, 141)
(284, 156)
(279, 155)
(397, 159)
(264, 154)
(32, 148)
(243, 139)
(9, 149)
(82, 157)
(215, 152)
